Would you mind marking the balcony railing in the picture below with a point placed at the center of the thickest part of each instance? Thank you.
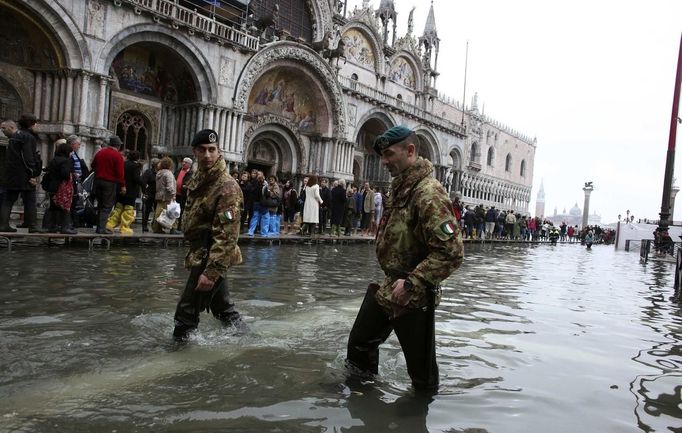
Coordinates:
(382, 98)
(180, 15)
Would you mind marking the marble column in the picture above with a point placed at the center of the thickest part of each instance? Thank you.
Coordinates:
(85, 87)
(101, 106)
(211, 118)
(61, 108)
(201, 114)
(239, 140)
(68, 108)
(37, 92)
(233, 132)
(47, 102)
(56, 92)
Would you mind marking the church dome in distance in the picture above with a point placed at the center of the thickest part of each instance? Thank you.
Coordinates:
(575, 211)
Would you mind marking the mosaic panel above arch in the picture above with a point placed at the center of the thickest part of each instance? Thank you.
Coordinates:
(25, 43)
(286, 92)
(154, 70)
(402, 72)
(358, 48)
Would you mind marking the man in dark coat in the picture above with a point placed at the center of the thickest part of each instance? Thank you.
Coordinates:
(149, 192)
(23, 165)
(338, 206)
(326, 195)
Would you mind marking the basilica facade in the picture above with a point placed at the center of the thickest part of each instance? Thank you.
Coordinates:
(291, 86)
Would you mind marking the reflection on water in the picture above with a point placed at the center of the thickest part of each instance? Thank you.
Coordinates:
(530, 339)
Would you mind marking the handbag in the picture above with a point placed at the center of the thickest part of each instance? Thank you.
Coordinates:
(173, 210)
(165, 220)
(64, 194)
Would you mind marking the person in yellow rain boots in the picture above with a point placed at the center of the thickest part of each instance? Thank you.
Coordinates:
(123, 214)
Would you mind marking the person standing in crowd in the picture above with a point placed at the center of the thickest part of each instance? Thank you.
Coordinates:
(490, 218)
(326, 195)
(211, 225)
(418, 246)
(149, 192)
(273, 200)
(244, 186)
(311, 207)
(290, 204)
(367, 209)
(80, 172)
(359, 206)
(108, 167)
(260, 215)
(59, 186)
(349, 216)
(165, 193)
(123, 214)
(378, 210)
(181, 178)
(23, 166)
(338, 206)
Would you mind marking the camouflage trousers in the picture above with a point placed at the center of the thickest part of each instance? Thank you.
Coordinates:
(415, 330)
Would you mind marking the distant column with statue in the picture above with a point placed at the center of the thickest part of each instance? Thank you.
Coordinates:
(586, 208)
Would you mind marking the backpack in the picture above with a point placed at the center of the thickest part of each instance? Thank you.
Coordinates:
(47, 184)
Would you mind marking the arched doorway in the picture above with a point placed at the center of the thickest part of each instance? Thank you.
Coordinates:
(10, 102)
(274, 150)
(372, 169)
(154, 99)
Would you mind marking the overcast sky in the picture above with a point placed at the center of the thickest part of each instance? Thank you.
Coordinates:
(592, 80)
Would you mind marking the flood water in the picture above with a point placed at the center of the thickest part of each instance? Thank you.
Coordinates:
(530, 339)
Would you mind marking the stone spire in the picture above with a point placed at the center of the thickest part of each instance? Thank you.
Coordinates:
(430, 28)
(431, 44)
(387, 13)
(540, 201)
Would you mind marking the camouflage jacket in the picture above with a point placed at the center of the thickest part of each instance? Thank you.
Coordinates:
(418, 238)
(211, 220)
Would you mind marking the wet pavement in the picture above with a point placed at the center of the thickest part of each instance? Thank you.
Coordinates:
(530, 339)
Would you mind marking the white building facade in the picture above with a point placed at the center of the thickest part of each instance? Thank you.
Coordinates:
(292, 87)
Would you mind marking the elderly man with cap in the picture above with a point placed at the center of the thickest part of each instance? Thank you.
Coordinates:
(211, 225)
(418, 245)
(109, 180)
(181, 178)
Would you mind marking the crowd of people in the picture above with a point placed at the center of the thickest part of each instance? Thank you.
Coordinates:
(274, 208)
(479, 222)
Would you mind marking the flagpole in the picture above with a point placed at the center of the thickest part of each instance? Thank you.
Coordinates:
(666, 218)
(464, 95)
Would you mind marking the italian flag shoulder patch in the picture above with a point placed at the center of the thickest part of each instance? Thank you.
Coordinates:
(448, 228)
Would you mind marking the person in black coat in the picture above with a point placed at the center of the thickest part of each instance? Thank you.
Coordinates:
(149, 192)
(326, 195)
(58, 215)
(23, 167)
(338, 206)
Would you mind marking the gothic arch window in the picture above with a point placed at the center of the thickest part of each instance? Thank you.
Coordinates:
(491, 157)
(523, 168)
(133, 130)
(475, 153)
(508, 162)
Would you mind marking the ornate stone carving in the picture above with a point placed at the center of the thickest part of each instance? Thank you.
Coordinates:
(291, 127)
(95, 18)
(366, 15)
(268, 58)
(226, 77)
(120, 106)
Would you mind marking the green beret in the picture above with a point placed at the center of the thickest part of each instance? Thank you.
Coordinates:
(391, 137)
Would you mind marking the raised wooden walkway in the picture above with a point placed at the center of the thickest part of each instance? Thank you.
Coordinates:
(91, 239)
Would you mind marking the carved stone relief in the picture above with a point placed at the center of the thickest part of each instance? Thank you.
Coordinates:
(226, 77)
(95, 18)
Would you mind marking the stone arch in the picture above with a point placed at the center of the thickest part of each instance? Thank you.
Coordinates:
(428, 139)
(373, 38)
(322, 18)
(15, 94)
(384, 117)
(71, 43)
(490, 157)
(294, 55)
(285, 133)
(508, 163)
(202, 72)
(522, 170)
(414, 64)
(456, 159)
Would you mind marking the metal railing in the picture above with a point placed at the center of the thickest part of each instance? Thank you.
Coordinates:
(383, 98)
(180, 15)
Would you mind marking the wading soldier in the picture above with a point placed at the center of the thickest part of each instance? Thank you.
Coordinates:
(211, 224)
(418, 245)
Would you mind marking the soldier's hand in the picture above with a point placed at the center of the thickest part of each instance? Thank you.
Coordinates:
(400, 295)
(204, 284)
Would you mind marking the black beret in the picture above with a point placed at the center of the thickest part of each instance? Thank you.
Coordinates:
(205, 136)
(391, 137)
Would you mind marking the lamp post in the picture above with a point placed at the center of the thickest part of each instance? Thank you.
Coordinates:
(670, 160)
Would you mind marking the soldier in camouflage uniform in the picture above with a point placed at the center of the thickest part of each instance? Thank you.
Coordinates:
(418, 245)
(211, 225)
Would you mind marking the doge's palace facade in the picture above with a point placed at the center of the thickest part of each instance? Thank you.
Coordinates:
(292, 87)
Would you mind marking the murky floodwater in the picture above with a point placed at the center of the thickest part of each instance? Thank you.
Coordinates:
(530, 339)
